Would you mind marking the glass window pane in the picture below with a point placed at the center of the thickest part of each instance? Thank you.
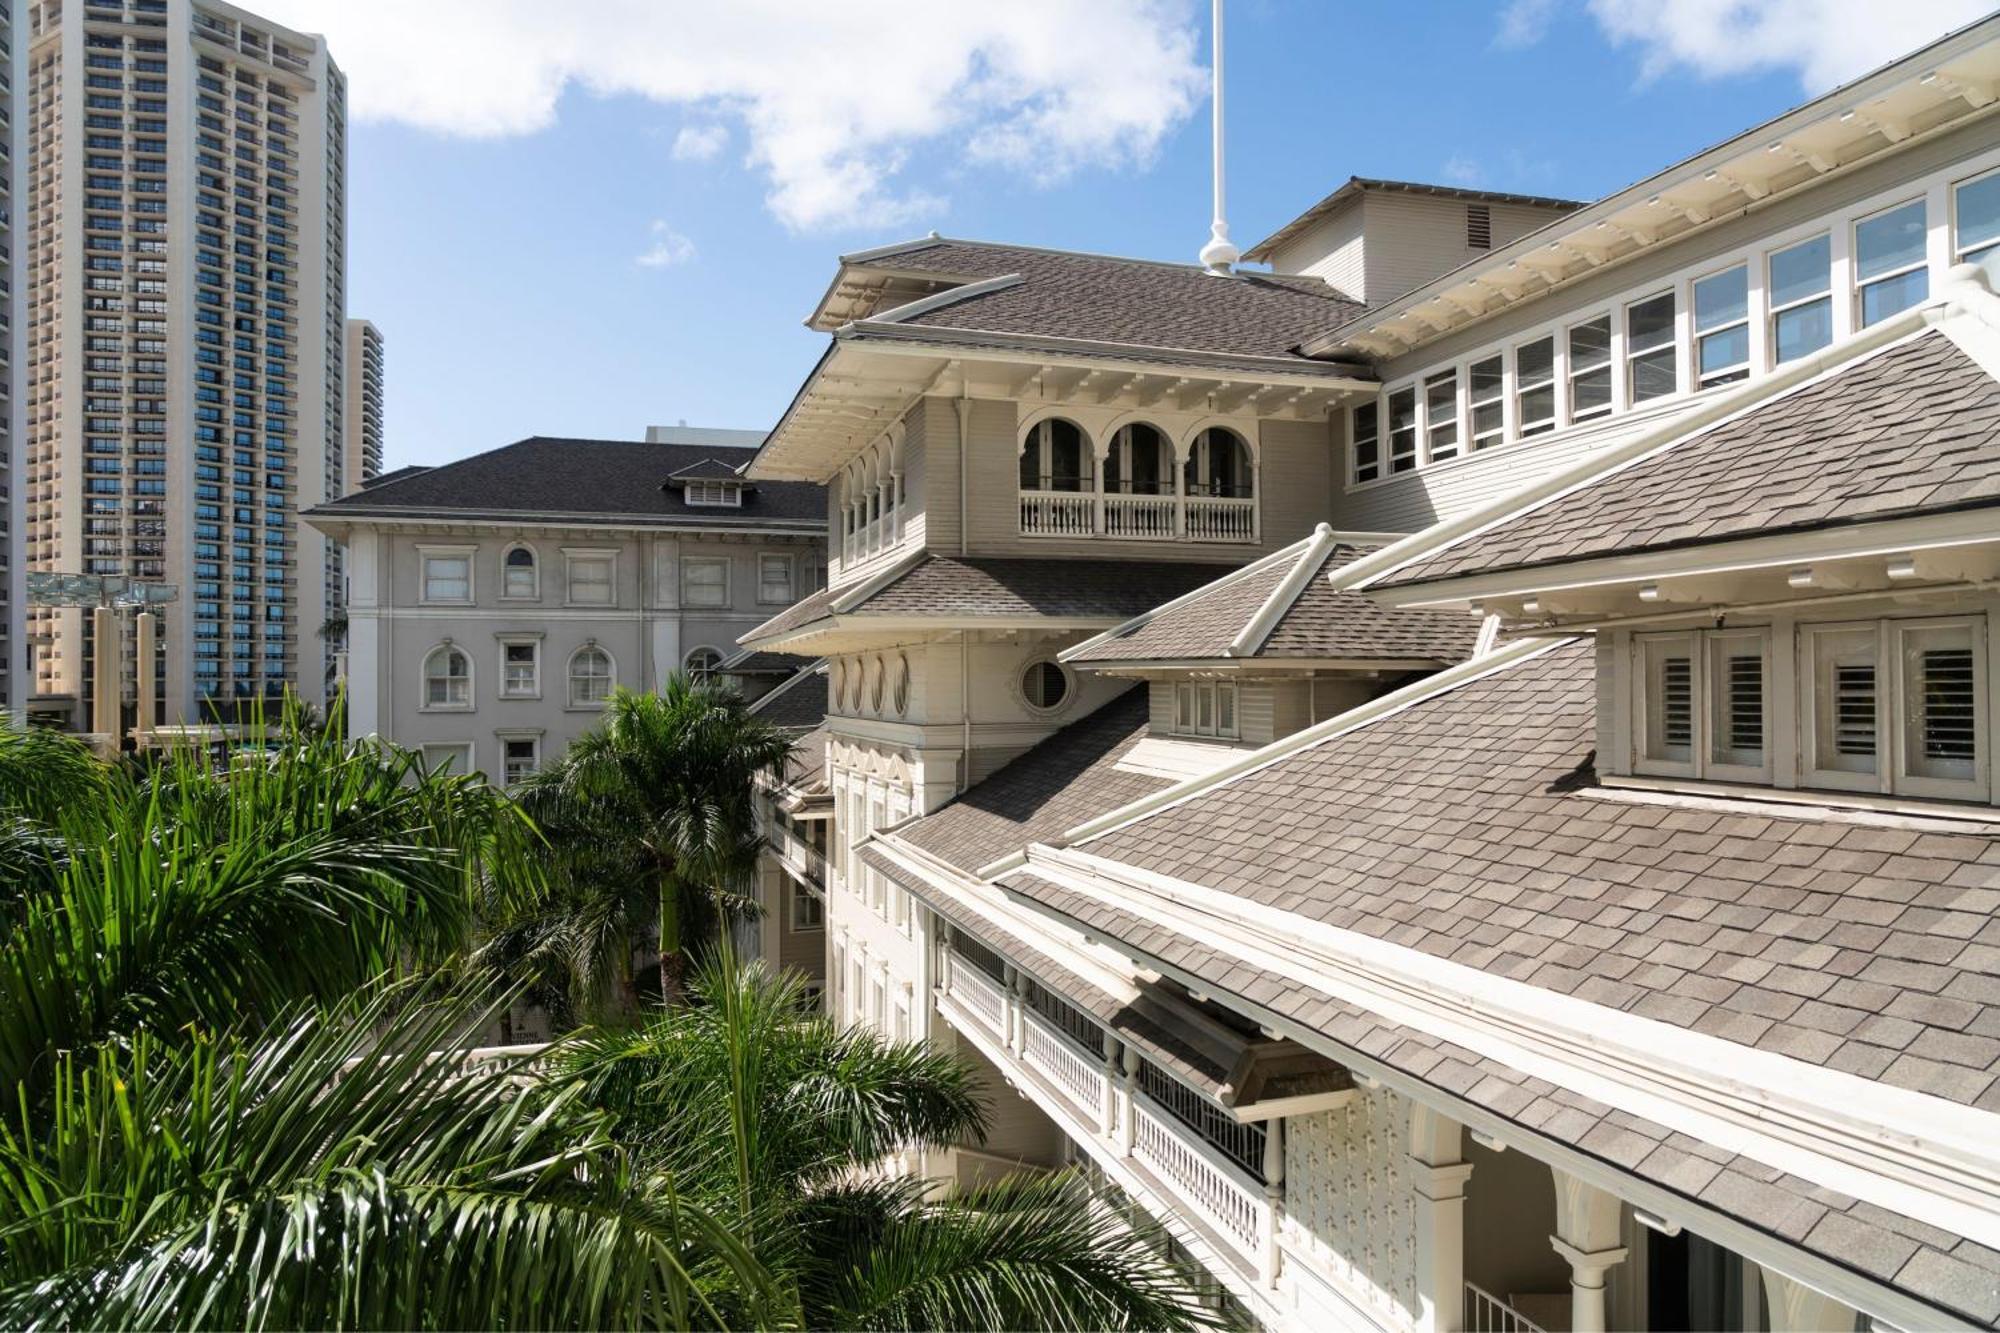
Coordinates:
(1441, 414)
(1720, 352)
(1650, 323)
(1890, 240)
(1402, 430)
(1978, 215)
(1879, 300)
(1804, 270)
(1722, 298)
(1535, 362)
(1590, 344)
(1803, 329)
(1367, 445)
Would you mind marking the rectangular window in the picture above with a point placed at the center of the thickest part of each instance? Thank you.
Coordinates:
(1738, 666)
(1722, 327)
(1441, 416)
(1942, 680)
(1205, 708)
(1486, 392)
(1844, 739)
(714, 493)
(520, 756)
(1666, 741)
(1889, 261)
(774, 579)
(1403, 430)
(1801, 291)
(1649, 348)
(449, 757)
(1590, 369)
(1535, 386)
(521, 670)
(1976, 218)
(705, 581)
(1367, 441)
(808, 912)
(1703, 704)
(448, 578)
(591, 580)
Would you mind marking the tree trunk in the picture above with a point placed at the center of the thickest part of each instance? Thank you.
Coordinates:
(673, 963)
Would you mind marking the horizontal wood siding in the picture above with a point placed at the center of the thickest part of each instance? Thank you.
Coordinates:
(1410, 239)
(934, 424)
(1329, 249)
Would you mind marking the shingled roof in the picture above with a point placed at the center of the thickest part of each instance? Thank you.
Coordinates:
(798, 702)
(1309, 618)
(1136, 303)
(1913, 428)
(543, 478)
(950, 587)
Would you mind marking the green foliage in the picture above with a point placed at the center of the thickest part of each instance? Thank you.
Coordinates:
(650, 820)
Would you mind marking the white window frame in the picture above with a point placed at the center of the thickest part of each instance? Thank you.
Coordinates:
(575, 558)
(534, 571)
(1198, 706)
(1354, 441)
(1414, 458)
(1735, 371)
(1521, 428)
(725, 494)
(534, 688)
(430, 751)
(1892, 775)
(1445, 383)
(426, 554)
(1479, 440)
(688, 565)
(1773, 311)
(1703, 718)
(708, 673)
(570, 677)
(1571, 374)
(1631, 357)
(780, 559)
(509, 738)
(1961, 253)
(800, 894)
(1860, 284)
(471, 699)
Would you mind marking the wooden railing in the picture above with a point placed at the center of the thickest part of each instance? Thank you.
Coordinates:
(1146, 516)
(1216, 1188)
(1487, 1313)
(1058, 513)
(1047, 1051)
(1221, 520)
(977, 992)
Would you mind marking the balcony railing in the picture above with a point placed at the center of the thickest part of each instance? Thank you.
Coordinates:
(1216, 1188)
(1200, 518)
(1487, 1313)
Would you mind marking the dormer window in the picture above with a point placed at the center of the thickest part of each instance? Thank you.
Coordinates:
(715, 493)
(1704, 704)
(1205, 708)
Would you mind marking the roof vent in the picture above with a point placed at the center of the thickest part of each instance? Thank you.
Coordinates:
(1478, 227)
(1220, 254)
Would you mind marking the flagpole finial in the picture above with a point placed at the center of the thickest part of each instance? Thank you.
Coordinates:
(1220, 254)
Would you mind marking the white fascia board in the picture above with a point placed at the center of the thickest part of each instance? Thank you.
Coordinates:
(934, 341)
(1910, 1152)
(1441, 537)
(1754, 1243)
(1361, 715)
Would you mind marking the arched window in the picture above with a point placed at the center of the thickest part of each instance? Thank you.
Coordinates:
(1139, 462)
(1219, 465)
(521, 578)
(701, 664)
(1056, 457)
(900, 686)
(447, 678)
(590, 676)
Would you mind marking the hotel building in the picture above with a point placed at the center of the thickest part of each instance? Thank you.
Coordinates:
(1454, 774)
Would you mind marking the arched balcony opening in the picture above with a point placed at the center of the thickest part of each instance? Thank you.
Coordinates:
(1220, 486)
(1139, 494)
(1058, 480)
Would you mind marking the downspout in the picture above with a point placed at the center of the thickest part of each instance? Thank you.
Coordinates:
(964, 406)
(964, 692)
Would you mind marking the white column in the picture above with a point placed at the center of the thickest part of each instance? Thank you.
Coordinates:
(1128, 1084)
(1797, 1308)
(1438, 1172)
(1274, 1199)
(1107, 1117)
(105, 665)
(1010, 1008)
(1587, 1236)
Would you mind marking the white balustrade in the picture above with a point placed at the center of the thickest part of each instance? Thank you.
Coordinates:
(1211, 519)
(1056, 1058)
(1225, 1195)
(1148, 516)
(976, 991)
(1058, 513)
(1487, 1313)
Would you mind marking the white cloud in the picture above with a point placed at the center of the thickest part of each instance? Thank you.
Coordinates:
(1462, 170)
(1825, 41)
(833, 98)
(669, 247)
(698, 143)
(1524, 22)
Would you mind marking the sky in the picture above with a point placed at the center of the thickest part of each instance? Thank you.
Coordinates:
(585, 218)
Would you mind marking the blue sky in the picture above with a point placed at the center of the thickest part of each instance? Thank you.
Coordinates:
(499, 245)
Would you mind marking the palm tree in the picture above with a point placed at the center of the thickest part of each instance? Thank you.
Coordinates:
(651, 809)
(776, 1121)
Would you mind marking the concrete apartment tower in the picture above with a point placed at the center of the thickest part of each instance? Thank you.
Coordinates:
(185, 251)
(13, 647)
(363, 450)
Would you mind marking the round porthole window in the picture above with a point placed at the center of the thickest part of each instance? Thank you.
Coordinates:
(1044, 685)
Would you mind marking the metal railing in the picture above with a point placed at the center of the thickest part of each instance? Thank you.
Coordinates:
(1487, 1313)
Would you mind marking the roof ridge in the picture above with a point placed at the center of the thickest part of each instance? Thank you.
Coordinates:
(865, 257)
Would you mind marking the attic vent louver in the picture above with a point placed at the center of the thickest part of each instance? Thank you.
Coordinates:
(1478, 227)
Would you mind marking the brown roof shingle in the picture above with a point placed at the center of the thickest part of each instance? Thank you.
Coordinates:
(1914, 428)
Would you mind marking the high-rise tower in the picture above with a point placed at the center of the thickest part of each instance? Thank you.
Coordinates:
(185, 256)
(364, 404)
